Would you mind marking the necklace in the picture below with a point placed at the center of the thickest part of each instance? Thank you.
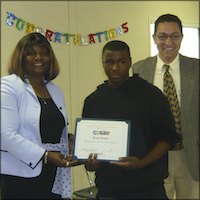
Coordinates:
(44, 100)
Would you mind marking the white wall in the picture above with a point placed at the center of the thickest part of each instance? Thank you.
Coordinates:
(81, 69)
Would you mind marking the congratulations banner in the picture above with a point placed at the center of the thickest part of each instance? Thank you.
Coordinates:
(67, 38)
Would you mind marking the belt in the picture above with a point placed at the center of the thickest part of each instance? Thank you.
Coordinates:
(177, 147)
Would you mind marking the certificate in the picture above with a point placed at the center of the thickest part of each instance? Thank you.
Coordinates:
(107, 138)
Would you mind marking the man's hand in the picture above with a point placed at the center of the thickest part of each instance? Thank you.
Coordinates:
(129, 163)
(92, 164)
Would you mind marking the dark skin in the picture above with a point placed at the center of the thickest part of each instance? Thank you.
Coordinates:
(71, 150)
(116, 66)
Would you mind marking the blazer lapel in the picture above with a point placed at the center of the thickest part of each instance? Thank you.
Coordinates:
(30, 89)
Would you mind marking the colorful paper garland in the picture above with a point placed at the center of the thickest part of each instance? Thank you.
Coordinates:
(67, 38)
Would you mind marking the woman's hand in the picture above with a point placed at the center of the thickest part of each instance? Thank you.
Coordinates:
(71, 162)
(60, 160)
(71, 143)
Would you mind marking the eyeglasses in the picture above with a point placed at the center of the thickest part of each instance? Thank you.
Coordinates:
(173, 37)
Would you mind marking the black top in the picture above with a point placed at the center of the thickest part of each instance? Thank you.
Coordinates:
(51, 122)
(51, 125)
(151, 120)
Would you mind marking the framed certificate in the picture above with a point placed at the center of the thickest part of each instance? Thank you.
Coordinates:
(108, 138)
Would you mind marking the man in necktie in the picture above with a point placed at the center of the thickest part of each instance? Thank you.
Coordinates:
(178, 77)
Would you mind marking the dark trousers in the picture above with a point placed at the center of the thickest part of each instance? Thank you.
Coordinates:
(13, 187)
(154, 191)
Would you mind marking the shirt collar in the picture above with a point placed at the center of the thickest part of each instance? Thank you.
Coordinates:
(173, 65)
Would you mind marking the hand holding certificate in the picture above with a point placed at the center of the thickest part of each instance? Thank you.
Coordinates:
(107, 138)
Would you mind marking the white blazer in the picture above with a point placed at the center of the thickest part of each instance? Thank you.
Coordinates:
(21, 149)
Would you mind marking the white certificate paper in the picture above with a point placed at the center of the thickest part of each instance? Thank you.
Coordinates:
(108, 138)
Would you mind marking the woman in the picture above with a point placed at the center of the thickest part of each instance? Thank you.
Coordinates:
(34, 138)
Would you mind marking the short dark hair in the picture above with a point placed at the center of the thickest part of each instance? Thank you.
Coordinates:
(116, 45)
(168, 18)
(16, 65)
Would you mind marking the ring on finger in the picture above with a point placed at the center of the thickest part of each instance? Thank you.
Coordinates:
(67, 164)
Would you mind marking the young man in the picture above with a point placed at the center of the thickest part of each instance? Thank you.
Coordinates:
(184, 159)
(142, 174)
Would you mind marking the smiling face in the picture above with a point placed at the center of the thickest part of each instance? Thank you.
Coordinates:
(116, 66)
(37, 61)
(168, 39)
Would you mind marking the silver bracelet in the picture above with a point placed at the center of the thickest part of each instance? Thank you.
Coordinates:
(45, 157)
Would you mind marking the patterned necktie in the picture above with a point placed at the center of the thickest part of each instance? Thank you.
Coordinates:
(170, 92)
